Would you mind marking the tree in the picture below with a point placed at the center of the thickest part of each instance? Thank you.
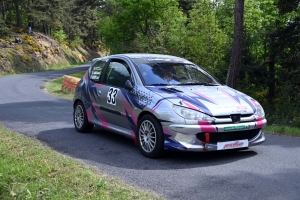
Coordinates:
(186, 5)
(205, 41)
(4, 32)
(287, 51)
(236, 56)
(45, 14)
(86, 16)
(286, 6)
(3, 6)
(132, 21)
(18, 13)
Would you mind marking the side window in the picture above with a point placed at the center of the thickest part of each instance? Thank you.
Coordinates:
(181, 72)
(199, 76)
(117, 73)
(96, 70)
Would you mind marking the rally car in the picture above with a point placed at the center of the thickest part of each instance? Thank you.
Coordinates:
(165, 102)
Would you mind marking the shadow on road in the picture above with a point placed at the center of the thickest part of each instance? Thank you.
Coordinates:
(103, 147)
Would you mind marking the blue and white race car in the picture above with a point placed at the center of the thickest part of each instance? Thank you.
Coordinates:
(166, 102)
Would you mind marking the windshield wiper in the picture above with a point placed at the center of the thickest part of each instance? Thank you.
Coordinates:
(158, 84)
(199, 83)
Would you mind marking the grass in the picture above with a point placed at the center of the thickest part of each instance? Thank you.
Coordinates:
(48, 68)
(284, 130)
(61, 66)
(54, 87)
(31, 170)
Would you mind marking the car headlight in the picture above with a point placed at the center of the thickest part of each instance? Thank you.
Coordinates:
(190, 114)
(259, 111)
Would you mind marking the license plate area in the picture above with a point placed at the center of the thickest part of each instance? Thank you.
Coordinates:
(232, 144)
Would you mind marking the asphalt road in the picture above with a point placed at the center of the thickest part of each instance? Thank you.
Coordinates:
(269, 171)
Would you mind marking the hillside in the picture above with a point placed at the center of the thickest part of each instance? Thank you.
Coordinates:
(38, 52)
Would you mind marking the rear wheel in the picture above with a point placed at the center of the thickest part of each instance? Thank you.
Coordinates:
(150, 137)
(80, 119)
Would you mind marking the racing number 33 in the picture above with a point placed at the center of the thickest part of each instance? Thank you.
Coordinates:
(111, 95)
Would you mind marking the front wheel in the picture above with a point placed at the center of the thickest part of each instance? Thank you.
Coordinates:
(80, 119)
(150, 136)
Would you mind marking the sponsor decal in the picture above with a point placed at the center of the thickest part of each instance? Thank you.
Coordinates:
(159, 59)
(95, 77)
(232, 144)
(235, 128)
(242, 107)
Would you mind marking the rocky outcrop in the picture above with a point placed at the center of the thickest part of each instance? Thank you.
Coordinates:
(39, 52)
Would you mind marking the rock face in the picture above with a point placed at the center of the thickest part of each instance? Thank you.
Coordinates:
(38, 52)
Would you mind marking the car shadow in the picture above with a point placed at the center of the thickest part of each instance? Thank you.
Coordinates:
(103, 147)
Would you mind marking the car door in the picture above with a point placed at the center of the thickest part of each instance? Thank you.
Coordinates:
(94, 91)
(111, 102)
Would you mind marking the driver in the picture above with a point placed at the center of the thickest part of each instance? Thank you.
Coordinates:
(168, 76)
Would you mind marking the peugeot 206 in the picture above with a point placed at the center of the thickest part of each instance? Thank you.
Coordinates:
(164, 102)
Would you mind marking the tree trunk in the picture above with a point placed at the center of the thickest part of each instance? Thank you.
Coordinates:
(18, 14)
(271, 81)
(45, 28)
(3, 11)
(236, 54)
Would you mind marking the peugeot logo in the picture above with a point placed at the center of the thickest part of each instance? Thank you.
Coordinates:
(235, 118)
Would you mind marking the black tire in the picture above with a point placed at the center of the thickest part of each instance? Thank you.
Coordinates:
(80, 119)
(150, 137)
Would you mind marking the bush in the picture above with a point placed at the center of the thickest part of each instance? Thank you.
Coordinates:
(4, 31)
(77, 42)
(60, 36)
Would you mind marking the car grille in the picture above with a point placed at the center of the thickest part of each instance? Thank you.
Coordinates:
(228, 119)
(229, 136)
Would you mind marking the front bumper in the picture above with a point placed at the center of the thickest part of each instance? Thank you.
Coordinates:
(184, 137)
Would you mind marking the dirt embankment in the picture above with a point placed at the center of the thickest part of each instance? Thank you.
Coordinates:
(38, 52)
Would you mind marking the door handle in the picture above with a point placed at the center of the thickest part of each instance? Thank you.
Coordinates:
(99, 92)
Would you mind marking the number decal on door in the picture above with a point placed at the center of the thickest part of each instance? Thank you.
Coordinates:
(112, 95)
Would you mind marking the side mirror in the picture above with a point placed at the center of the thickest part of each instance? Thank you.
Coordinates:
(128, 85)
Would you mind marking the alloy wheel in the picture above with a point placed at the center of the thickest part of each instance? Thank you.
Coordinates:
(147, 136)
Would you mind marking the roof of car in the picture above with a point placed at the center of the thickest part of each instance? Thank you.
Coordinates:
(147, 55)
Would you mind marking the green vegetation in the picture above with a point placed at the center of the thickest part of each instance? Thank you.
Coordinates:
(30, 170)
(60, 66)
(54, 87)
(4, 31)
(284, 130)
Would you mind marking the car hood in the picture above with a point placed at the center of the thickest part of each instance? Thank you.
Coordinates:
(212, 100)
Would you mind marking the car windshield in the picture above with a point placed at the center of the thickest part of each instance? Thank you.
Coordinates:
(174, 73)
